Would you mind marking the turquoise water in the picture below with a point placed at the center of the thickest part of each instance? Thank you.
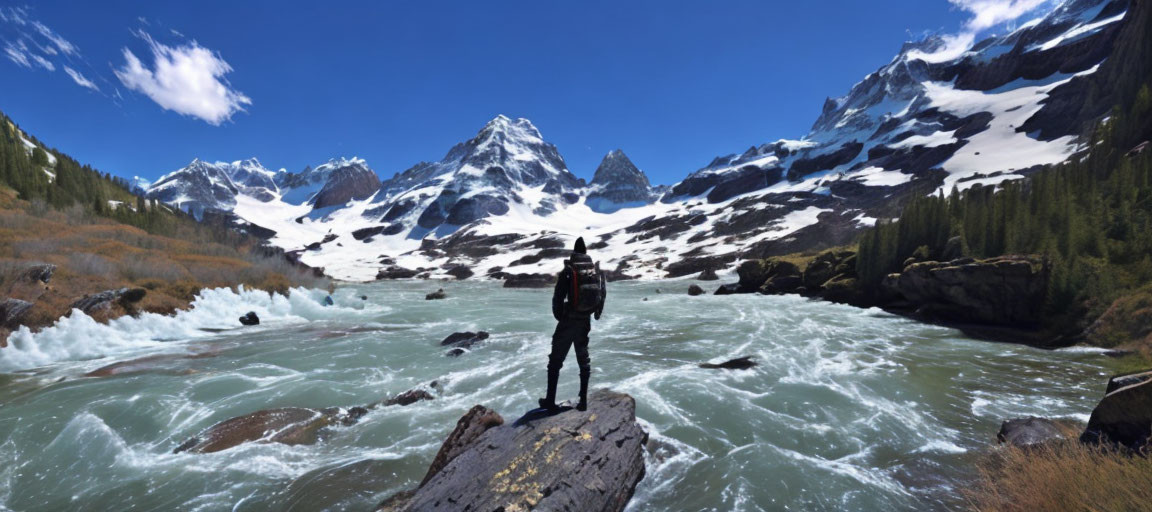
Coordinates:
(849, 409)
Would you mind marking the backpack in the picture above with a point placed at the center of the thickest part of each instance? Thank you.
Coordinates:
(587, 286)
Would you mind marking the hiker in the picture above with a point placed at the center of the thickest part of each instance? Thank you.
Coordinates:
(579, 296)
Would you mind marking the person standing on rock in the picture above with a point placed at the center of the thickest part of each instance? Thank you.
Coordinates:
(579, 296)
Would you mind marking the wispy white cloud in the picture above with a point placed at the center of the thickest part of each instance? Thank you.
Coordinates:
(984, 15)
(31, 44)
(187, 79)
(80, 79)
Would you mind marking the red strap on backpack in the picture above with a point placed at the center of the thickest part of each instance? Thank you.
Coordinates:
(575, 284)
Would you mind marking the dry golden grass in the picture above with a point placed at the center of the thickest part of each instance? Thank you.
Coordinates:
(1061, 477)
(96, 254)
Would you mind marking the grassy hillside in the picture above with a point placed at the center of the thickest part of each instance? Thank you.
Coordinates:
(100, 235)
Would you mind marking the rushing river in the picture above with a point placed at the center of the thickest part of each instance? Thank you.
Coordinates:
(849, 409)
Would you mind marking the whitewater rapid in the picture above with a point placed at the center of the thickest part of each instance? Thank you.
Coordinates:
(849, 409)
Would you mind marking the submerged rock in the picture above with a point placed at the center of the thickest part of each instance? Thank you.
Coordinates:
(740, 363)
(288, 425)
(573, 460)
(1028, 432)
(1124, 415)
(156, 363)
(695, 290)
(437, 295)
(250, 318)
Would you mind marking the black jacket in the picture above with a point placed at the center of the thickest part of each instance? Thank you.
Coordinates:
(561, 309)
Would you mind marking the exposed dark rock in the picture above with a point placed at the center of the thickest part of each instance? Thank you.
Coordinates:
(460, 272)
(250, 318)
(708, 275)
(695, 290)
(689, 266)
(406, 398)
(462, 341)
(768, 276)
(38, 272)
(617, 184)
(729, 289)
(529, 281)
(1007, 290)
(468, 428)
(125, 297)
(12, 312)
(1028, 432)
(350, 182)
(589, 460)
(437, 295)
(740, 363)
(804, 166)
(829, 265)
(395, 272)
(1124, 415)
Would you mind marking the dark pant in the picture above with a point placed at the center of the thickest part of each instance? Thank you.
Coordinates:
(570, 332)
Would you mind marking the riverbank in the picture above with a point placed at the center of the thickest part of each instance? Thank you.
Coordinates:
(51, 260)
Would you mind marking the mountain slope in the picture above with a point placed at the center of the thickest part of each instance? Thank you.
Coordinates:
(504, 202)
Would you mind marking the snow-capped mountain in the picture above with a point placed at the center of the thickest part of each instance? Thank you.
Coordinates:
(505, 203)
(618, 184)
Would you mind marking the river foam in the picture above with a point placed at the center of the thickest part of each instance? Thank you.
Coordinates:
(214, 312)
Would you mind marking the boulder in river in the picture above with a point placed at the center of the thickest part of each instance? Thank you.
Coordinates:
(436, 295)
(396, 272)
(728, 289)
(695, 290)
(1124, 415)
(288, 425)
(740, 363)
(708, 275)
(461, 341)
(589, 460)
(250, 318)
(1028, 432)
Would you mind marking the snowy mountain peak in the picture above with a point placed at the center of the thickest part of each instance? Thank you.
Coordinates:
(617, 184)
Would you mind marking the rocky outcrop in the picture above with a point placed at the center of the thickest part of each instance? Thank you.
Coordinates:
(769, 276)
(708, 275)
(529, 281)
(12, 312)
(573, 460)
(1028, 432)
(1124, 415)
(396, 272)
(618, 184)
(124, 297)
(41, 272)
(352, 180)
(1007, 290)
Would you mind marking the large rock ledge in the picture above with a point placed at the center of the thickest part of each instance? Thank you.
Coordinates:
(572, 460)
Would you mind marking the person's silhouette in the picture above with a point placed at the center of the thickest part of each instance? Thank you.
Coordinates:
(579, 296)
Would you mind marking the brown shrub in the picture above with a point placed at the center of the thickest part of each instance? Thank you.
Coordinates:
(1060, 477)
(1128, 321)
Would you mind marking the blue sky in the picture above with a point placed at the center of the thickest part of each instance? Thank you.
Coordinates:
(671, 83)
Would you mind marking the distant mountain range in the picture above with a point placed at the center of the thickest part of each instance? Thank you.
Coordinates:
(504, 202)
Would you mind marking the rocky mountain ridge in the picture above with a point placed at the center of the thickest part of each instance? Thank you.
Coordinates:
(504, 202)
